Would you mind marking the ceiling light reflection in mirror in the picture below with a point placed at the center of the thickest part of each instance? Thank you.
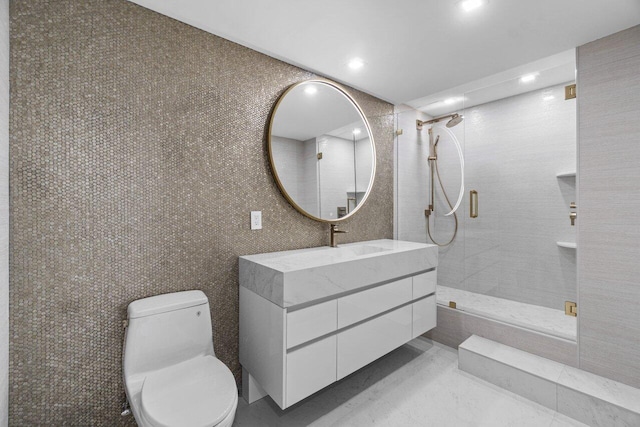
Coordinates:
(470, 5)
(356, 64)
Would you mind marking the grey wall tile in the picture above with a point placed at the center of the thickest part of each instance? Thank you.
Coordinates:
(623, 44)
(609, 201)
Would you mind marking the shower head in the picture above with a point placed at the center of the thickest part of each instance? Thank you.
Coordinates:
(455, 119)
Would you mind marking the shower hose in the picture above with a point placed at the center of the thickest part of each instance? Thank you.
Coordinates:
(455, 216)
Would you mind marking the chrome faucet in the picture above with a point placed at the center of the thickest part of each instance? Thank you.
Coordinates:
(334, 231)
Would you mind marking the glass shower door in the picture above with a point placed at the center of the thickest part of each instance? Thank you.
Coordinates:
(515, 261)
(519, 153)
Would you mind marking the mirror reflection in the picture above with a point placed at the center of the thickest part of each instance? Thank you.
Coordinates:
(321, 150)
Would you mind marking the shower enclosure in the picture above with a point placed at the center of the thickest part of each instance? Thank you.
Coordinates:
(514, 259)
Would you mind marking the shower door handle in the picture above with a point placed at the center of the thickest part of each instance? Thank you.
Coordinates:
(573, 215)
(473, 204)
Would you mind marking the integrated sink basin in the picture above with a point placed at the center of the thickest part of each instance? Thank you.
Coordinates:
(359, 250)
(291, 278)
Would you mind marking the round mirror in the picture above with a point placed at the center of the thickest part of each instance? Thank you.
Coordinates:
(321, 150)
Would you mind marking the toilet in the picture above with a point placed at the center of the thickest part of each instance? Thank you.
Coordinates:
(171, 374)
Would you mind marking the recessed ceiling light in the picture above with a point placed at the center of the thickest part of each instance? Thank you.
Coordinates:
(356, 63)
(469, 5)
(356, 131)
(450, 101)
(310, 90)
(548, 97)
(528, 78)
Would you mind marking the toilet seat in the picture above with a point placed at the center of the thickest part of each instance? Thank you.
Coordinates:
(200, 392)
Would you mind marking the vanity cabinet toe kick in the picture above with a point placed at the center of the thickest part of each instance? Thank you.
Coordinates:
(290, 353)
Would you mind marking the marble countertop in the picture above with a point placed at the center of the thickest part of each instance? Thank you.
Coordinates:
(301, 276)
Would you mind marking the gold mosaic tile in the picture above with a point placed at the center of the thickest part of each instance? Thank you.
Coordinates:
(138, 150)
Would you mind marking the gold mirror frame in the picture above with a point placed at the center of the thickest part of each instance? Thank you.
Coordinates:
(273, 165)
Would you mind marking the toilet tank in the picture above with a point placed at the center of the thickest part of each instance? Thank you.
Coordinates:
(167, 329)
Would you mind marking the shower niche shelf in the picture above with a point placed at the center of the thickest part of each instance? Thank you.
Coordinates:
(569, 245)
(571, 174)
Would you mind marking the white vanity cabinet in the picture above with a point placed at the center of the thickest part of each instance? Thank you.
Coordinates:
(291, 352)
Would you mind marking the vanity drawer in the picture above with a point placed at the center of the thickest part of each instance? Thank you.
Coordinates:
(424, 315)
(310, 368)
(424, 284)
(362, 305)
(311, 322)
(362, 344)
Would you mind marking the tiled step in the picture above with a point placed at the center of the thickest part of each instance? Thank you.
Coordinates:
(586, 397)
(534, 317)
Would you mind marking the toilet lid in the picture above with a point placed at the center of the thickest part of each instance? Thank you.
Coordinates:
(199, 393)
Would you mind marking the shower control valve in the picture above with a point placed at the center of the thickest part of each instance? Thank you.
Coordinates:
(572, 217)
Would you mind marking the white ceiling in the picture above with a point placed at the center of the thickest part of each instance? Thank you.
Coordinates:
(550, 71)
(411, 48)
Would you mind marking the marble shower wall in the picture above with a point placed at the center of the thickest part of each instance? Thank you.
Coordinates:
(513, 149)
(138, 151)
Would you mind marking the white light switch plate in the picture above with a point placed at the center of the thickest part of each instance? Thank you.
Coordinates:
(256, 220)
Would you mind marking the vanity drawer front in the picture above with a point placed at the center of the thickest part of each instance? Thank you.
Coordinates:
(362, 344)
(424, 315)
(362, 305)
(424, 284)
(310, 368)
(311, 322)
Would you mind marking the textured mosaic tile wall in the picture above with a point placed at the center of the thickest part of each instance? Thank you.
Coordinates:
(137, 151)
(4, 211)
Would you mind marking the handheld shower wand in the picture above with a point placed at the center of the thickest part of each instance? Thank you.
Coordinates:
(432, 158)
(433, 166)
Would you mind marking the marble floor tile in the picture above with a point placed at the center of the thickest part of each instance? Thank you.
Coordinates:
(564, 421)
(418, 384)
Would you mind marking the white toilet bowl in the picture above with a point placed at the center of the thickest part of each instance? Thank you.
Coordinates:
(171, 375)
